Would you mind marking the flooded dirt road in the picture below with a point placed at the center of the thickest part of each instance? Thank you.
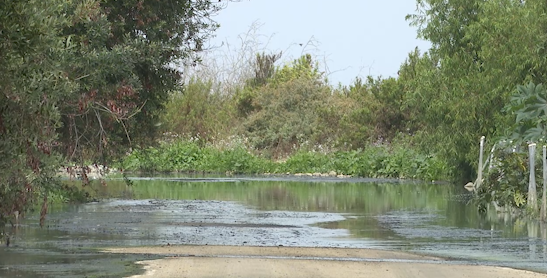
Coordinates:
(70, 244)
(423, 219)
(200, 222)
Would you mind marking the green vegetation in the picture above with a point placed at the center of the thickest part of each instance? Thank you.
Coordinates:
(481, 51)
(375, 161)
(529, 105)
(81, 81)
(442, 101)
(507, 180)
(507, 183)
(89, 81)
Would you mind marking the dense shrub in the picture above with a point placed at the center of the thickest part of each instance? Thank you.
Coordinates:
(282, 114)
(287, 118)
(199, 111)
(375, 161)
(290, 113)
(308, 162)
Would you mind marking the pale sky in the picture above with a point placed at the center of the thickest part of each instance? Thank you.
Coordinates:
(352, 37)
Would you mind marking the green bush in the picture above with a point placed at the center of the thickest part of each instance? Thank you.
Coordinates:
(506, 183)
(282, 114)
(176, 156)
(236, 160)
(375, 161)
(188, 156)
(200, 110)
(307, 162)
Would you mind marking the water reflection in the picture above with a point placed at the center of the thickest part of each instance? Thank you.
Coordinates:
(300, 195)
(429, 218)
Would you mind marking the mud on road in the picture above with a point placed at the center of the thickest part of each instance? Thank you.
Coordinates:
(195, 222)
(219, 239)
(225, 239)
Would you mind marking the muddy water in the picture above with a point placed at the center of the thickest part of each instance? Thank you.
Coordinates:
(416, 217)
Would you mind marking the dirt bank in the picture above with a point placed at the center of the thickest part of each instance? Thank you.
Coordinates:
(247, 261)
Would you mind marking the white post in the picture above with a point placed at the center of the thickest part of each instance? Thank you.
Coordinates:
(532, 227)
(479, 172)
(544, 198)
(532, 194)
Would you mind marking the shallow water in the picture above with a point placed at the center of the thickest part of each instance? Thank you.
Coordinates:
(267, 211)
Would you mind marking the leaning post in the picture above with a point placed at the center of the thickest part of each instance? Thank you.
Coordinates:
(479, 172)
(532, 194)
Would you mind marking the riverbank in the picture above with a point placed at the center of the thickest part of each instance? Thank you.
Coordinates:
(251, 261)
(376, 161)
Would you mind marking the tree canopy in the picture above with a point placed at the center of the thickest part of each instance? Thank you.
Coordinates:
(481, 50)
(82, 80)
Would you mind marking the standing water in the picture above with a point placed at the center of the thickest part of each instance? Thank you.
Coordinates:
(315, 212)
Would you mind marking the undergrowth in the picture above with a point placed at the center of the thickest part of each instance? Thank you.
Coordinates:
(375, 161)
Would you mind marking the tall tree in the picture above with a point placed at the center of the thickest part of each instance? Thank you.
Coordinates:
(82, 80)
(125, 60)
(483, 48)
